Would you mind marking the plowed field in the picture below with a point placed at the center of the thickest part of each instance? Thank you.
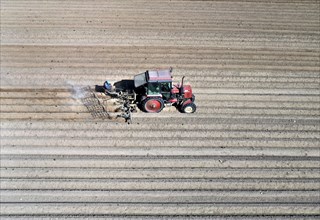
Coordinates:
(250, 151)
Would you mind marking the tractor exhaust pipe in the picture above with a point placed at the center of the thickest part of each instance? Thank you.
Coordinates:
(181, 86)
(182, 81)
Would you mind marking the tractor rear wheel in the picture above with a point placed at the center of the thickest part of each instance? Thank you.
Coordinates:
(188, 108)
(152, 105)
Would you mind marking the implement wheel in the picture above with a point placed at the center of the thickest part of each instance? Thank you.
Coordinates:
(152, 105)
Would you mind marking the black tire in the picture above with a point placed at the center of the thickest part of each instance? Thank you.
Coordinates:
(188, 108)
(152, 105)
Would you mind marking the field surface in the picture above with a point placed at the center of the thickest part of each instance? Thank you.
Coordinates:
(250, 151)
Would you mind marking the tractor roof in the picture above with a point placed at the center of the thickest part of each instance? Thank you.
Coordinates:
(159, 75)
(153, 76)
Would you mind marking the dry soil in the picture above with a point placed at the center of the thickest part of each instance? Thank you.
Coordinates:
(250, 150)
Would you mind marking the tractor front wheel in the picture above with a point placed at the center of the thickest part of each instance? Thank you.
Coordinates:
(152, 105)
(188, 108)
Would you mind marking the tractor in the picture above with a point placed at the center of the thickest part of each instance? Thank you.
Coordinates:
(151, 91)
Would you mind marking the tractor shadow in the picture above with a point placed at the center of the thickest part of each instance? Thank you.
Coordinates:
(125, 85)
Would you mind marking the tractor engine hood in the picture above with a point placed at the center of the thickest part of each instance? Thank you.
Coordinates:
(187, 90)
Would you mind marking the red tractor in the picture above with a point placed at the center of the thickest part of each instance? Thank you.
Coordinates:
(151, 91)
(154, 90)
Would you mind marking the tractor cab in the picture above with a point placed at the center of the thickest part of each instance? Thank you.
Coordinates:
(155, 83)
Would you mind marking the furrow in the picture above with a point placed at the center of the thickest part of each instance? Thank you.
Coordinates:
(157, 197)
(169, 210)
(152, 185)
(87, 161)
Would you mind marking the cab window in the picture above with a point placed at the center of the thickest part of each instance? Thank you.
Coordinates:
(153, 88)
(165, 87)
